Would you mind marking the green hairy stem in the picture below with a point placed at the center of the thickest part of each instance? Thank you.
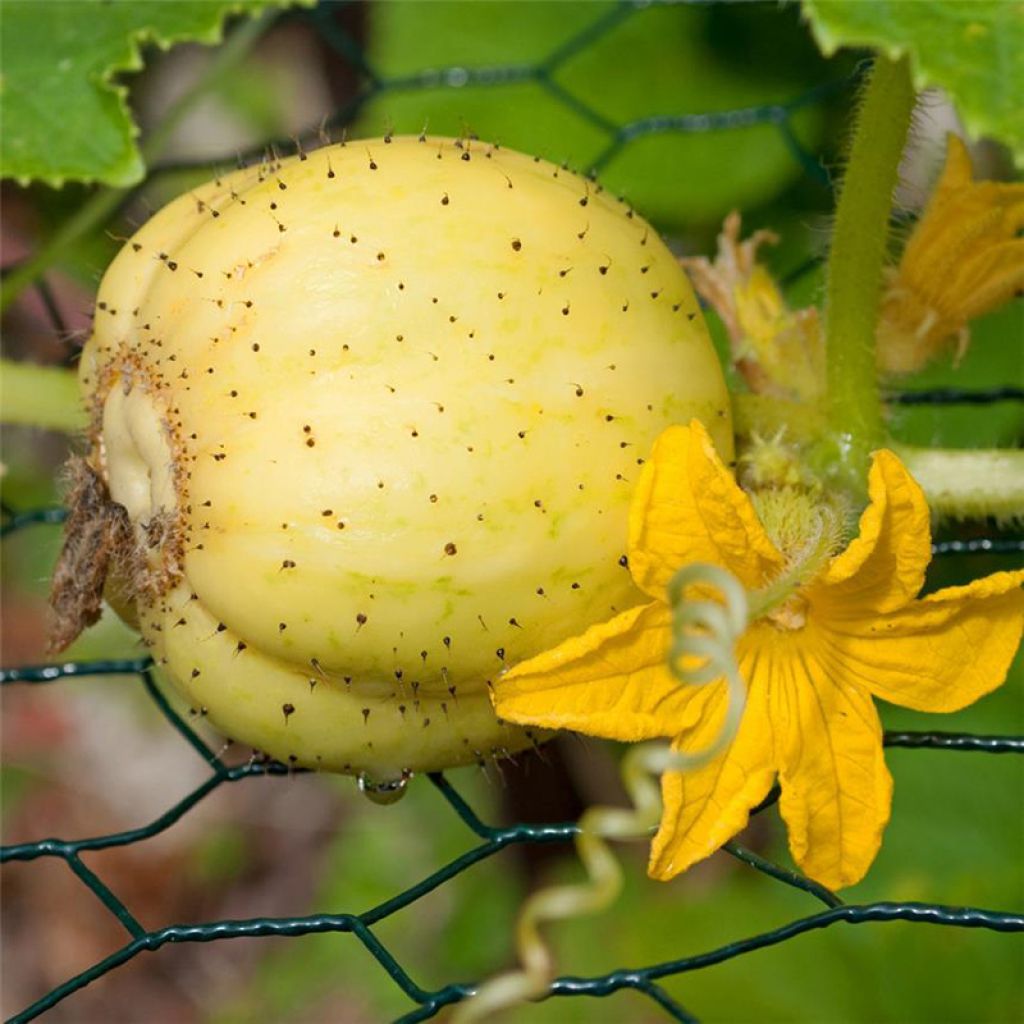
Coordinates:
(855, 264)
(40, 396)
(971, 483)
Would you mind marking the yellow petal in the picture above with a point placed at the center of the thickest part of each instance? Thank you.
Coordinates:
(688, 508)
(836, 790)
(990, 277)
(884, 567)
(938, 654)
(707, 805)
(958, 170)
(955, 202)
(612, 681)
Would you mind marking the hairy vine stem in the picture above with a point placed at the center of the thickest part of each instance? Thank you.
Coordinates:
(854, 280)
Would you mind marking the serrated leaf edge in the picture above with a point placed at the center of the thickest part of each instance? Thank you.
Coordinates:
(105, 82)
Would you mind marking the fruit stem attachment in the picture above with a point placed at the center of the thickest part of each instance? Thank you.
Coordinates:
(104, 201)
(854, 277)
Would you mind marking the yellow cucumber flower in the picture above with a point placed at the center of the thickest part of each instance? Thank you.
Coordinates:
(963, 258)
(855, 630)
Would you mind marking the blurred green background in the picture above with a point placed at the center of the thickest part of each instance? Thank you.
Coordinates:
(689, 111)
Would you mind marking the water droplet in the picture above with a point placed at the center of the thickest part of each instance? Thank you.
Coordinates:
(388, 791)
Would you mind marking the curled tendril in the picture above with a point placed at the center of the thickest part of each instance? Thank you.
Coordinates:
(704, 635)
(707, 631)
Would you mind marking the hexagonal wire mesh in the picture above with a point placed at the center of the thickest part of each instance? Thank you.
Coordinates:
(493, 840)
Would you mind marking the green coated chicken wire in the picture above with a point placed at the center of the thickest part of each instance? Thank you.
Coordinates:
(491, 840)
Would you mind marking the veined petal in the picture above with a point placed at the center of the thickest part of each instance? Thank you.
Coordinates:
(937, 654)
(707, 805)
(991, 277)
(836, 790)
(960, 211)
(688, 508)
(612, 681)
(884, 567)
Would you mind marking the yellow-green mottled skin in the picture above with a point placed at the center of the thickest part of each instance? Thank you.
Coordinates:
(393, 397)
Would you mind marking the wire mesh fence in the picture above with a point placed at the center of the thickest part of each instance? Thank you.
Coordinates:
(374, 84)
(427, 1003)
(491, 841)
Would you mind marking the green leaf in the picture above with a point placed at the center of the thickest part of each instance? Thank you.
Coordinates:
(974, 49)
(66, 116)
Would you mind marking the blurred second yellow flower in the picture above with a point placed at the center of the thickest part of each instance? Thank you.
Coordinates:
(964, 258)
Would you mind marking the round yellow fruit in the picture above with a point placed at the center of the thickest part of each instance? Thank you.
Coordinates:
(375, 414)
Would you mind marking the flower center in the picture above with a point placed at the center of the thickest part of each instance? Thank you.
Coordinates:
(790, 615)
(807, 528)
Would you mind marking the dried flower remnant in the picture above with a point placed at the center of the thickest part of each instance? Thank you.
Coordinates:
(778, 350)
(98, 532)
(835, 628)
(964, 258)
